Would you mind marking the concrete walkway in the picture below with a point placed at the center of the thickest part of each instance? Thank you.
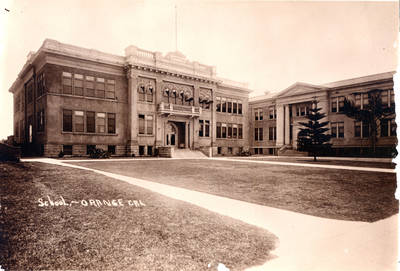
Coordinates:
(305, 242)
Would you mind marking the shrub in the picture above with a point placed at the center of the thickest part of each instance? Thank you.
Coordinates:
(98, 153)
(61, 154)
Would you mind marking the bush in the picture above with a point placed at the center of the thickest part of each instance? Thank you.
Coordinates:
(245, 153)
(98, 153)
(61, 154)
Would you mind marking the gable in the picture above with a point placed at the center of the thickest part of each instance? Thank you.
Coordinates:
(298, 89)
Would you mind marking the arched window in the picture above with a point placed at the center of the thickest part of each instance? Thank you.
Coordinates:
(181, 97)
(173, 97)
(142, 93)
(149, 94)
(165, 97)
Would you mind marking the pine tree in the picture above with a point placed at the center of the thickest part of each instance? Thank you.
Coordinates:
(372, 114)
(312, 137)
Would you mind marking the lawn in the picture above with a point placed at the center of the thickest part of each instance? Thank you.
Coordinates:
(151, 233)
(339, 194)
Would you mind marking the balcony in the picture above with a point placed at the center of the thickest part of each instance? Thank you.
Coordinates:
(168, 109)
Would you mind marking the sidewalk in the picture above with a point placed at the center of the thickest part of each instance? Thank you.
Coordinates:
(306, 242)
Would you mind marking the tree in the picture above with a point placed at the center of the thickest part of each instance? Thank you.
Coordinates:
(312, 138)
(371, 114)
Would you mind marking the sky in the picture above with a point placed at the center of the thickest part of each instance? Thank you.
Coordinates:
(269, 45)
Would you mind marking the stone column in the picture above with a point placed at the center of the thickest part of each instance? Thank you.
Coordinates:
(158, 120)
(213, 124)
(186, 134)
(132, 144)
(196, 91)
(280, 125)
(287, 125)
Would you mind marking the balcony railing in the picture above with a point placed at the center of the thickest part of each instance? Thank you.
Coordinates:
(178, 109)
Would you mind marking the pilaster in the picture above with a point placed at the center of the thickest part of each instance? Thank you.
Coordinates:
(280, 125)
(287, 125)
(132, 144)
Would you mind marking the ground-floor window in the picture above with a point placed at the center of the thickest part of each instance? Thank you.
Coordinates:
(219, 150)
(111, 149)
(271, 151)
(90, 149)
(230, 150)
(67, 149)
(141, 150)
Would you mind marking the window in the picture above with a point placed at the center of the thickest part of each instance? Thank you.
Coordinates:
(258, 114)
(365, 129)
(90, 122)
(111, 123)
(79, 121)
(229, 130)
(141, 124)
(239, 107)
(223, 101)
(100, 88)
(272, 133)
(219, 150)
(361, 129)
(234, 131)
(258, 134)
(201, 128)
(78, 84)
(66, 83)
(387, 98)
(207, 128)
(29, 92)
(219, 134)
(337, 129)
(17, 103)
(223, 130)
(40, 121)
(218, 104)
(111, 149)
(240, 131)
(89, 86)
(357, 100)
(67, 149)
(234, 107)
(101, 123)
(142, 93)
(40, 85)
(357, 129)
(67, 120)
(230, 150)
(149, 96)
(110, 91)
(150, 150)
(229, 105)
(365, 100)
(90, 149)
(141, 150)
(388, 127)
(149, 123)
(337, 104)
(272, 113)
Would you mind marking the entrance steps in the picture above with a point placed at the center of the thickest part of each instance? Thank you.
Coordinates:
(187, 153)
(288, 150)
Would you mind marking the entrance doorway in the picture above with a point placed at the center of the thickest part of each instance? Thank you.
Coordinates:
(175, 134)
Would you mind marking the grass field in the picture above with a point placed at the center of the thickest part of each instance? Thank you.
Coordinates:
(330, 193)
(165, 234)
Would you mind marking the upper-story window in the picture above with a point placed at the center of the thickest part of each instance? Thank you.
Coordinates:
(101, 122)
(234, 106)
(337, 104)
(67, 120)
(111, 123)
(337, 129)
(388, 127)
(361, 129)
(258, 114)
(142, 93)
(223, 105)
(66, 83)
(387, 98)
(149, 94)
(41, 85)
(218, 104)
(40, 120)
(29, 91)
(272, 133)
(361, 100)
(100, 88)
(145, 124)
(272, 112)
(79, 122)
(110, 92)
(89, 86)
(258, 134)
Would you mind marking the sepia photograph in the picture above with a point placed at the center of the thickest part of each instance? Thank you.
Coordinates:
(199, 135)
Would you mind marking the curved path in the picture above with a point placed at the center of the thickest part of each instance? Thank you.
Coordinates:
(306, 242)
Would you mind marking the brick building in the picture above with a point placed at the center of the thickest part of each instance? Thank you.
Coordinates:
(275, 118)
(72, 99)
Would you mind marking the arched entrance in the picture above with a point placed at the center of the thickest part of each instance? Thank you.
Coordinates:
(175, 135)
(171, 134)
